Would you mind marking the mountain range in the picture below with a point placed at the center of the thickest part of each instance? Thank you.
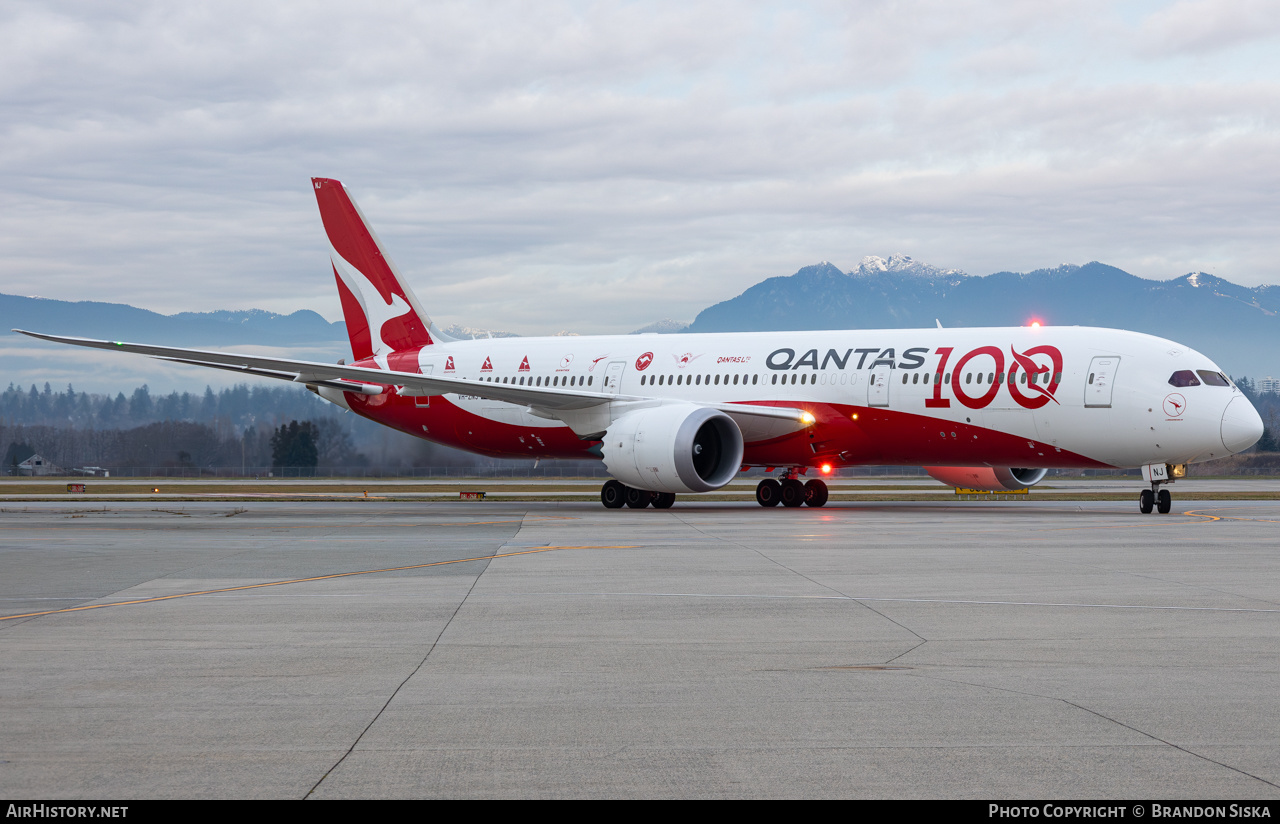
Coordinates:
(1237, 326)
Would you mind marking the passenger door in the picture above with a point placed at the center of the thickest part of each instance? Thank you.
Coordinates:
(1098, 385)
(613, 377)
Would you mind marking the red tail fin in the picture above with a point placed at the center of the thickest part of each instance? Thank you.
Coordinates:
(382, 313)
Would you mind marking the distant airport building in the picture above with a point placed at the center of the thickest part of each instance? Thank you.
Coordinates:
(1269, 384)
(36, 465)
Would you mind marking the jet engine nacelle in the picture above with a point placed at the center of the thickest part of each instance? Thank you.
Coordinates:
(994, 478)
(674, 448)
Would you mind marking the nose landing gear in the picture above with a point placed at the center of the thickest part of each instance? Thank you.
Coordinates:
(1155, 498)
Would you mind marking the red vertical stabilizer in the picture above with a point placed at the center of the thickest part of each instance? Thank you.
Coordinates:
(382, 313)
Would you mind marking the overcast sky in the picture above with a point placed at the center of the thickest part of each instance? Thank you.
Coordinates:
(598, 166)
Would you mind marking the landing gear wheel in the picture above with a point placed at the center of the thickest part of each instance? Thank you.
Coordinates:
(1164, 502)
(1146, 500)
(815, 493)
(638, 498)
(768, 492)
(792, 492)
(613, 495)
(664, 500)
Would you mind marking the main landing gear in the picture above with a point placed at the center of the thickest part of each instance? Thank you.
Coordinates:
(791, 492)
(1156, 498)
(615, 495)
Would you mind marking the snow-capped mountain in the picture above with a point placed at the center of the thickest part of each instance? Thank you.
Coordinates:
(872, 265)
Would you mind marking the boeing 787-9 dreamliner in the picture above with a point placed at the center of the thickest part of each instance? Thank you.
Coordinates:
(984, 408)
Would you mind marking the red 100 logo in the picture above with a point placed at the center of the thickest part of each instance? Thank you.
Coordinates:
(991, 360)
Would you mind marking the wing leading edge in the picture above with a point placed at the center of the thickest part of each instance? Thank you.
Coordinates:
(365, 381)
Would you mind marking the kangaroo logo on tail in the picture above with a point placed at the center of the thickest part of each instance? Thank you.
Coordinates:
(377, 313)
(381, 312)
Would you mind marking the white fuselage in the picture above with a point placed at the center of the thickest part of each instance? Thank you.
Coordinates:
(1100, 397)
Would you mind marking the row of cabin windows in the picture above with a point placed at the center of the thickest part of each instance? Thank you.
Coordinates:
(803, 378)
(979, 377)
(557, 380)
(697, 380)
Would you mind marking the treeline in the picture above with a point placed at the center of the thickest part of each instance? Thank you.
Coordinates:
(242, 405)
(230, 428)
(165, 444)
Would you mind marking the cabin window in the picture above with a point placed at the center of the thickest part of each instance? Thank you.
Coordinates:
(697, 380)
(588, 381)
(775, 380)
(905, 378)
(755, 379)
(1057, 377)
(661, 380)
(717, 380)
(735, 380)
(793, 378)
(1091, 379)
(968, 378)
(991, 377)
(947, 379)
(1212, 378)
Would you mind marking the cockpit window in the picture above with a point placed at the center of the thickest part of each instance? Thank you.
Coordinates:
(1183, 377)
(1213, 378)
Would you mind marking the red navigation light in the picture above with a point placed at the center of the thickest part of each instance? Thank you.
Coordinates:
(826, 469)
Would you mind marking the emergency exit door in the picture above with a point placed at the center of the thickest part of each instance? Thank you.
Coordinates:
(1100, 381)
(878, 387)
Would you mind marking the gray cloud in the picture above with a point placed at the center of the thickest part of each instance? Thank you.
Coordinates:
(596, 166)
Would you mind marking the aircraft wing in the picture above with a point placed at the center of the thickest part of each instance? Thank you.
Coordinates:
(367, 381)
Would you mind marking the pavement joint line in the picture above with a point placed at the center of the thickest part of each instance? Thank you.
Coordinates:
(880, 600)
(300, 581)
(1170, 743)
(253, 526)
(1096, 714)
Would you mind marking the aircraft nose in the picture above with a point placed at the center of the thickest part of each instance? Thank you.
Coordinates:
(1241, 425)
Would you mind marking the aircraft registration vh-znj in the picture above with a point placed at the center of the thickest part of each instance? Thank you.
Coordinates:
(985, 408)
